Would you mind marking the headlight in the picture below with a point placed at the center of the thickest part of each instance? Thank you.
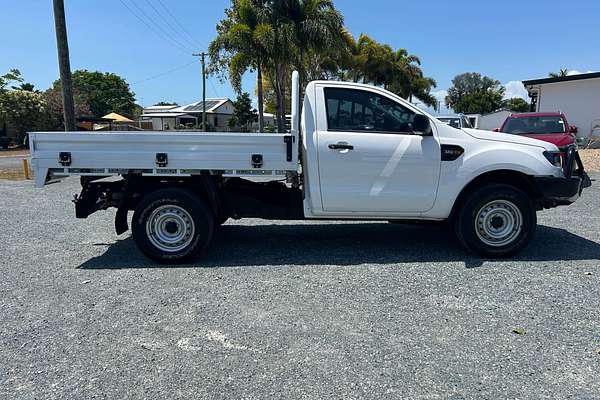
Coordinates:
(554, 158)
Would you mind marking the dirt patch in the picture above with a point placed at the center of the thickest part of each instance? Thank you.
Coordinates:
(591, 159)
(12, 174)
(14, 153)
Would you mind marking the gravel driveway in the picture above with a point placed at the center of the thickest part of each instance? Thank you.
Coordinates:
(294, 310)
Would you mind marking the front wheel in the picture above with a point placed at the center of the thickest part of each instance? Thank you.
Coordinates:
(172, 225)
(496, 221)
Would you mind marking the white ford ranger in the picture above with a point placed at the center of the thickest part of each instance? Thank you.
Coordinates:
(354, 152)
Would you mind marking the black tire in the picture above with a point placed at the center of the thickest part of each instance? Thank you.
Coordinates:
(180, 206)
(496, 205)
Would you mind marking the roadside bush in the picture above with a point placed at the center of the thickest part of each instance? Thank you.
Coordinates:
(24, 111)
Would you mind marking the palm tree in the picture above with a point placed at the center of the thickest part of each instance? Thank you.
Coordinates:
(243, 43)
(397, 71)
(408, 80)
(561, 73)
(300, 30)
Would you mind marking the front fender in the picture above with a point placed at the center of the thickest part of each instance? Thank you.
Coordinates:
(478, 160)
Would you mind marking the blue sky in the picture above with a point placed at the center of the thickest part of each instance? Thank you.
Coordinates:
(507, 40)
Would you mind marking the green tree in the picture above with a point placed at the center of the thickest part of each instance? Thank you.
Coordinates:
(25, 111)
(166, 103)
(244, 115)
(14, 75)
(105, 92)
(28, 87)
(54, 107)
(516, 104)
(561, 73)
(379, 64)
(274, 37)
(473, 93)
(243, 43)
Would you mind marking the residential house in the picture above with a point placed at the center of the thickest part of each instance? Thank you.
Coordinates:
(578, 96)
(218, 114)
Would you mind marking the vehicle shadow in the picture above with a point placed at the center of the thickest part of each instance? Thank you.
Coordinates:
(345, 244)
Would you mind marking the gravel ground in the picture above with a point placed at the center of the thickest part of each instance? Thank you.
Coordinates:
(591, 159)
(294, 310)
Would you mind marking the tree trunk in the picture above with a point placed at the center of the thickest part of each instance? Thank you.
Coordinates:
(279, 100)
(282, 83)
(64, 65)
(259, 84)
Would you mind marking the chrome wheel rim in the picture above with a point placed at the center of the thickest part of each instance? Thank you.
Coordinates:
(498, 223)
(170, 228)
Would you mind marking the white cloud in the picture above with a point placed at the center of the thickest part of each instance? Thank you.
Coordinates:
(515, 89)
(575, 72)
(440, 95)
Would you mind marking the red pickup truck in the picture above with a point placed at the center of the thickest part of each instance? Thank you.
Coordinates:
(551, 127)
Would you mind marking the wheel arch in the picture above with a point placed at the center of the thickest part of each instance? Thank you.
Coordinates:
(509, 177)
(137, 188)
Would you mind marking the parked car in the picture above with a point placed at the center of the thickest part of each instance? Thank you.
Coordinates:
(366, 154)
(456, 121)
(551, 127)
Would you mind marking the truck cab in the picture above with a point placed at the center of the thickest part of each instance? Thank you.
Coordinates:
(354, 152)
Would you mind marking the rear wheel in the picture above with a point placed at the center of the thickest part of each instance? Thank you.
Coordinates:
(496, 221)
(172, 225)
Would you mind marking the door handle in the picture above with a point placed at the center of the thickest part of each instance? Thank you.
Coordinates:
(341, 146)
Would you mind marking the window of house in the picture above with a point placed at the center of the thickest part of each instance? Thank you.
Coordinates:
(360, 110)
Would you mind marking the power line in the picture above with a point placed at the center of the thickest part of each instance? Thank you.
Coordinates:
(152, 28)
(158, 25)
(213, 87)
(164, 73)
(175, 31)
(179, 24)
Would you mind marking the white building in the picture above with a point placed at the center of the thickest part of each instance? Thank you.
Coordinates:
(218, 113)
(578, 96)
(493, 120)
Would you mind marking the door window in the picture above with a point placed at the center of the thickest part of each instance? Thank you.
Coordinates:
(360, 110)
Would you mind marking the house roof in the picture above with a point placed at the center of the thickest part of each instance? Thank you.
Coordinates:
(117, 117)
(166, 114)
(211, 106)
(155, 108)
(176, 111)
(568, 78)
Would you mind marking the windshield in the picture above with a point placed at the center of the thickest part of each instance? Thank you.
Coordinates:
(453, 122)
(466, 122)
(535, 125)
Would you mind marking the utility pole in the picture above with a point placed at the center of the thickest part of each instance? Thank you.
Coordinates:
(202, 55)
(64, 65)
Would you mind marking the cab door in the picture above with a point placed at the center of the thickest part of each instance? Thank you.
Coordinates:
(370, 160)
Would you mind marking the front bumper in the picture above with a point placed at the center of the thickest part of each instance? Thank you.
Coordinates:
(565, 190)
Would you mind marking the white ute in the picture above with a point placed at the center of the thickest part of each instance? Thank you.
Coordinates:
(355, 152)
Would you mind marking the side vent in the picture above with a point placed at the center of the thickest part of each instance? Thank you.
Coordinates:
(451, 152)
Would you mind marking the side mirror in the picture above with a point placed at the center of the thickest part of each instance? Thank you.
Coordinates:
(421, 125)
(573, 129)
(496, 130)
